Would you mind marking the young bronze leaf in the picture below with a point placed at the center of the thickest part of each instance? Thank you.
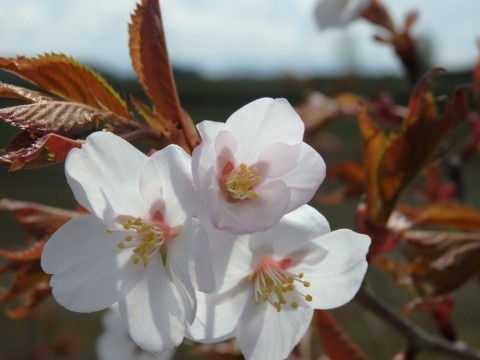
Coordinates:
(148, 51)
(373, 142)
(413, 148)
(68, 79)
(24, 151)
(30, 302)
(154, 119)
(62, 118)
(447, 215)
(37, 219)
(336, 343)
(442, 261)
(16, 92)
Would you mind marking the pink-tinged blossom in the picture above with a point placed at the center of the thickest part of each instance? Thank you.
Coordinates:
(271, 282)
(338, 13)
(255, 168)
(141, 245)
(115, 342)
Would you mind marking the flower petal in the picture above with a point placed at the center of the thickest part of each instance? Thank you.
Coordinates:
(153, 310)
(304, 180)
(262, 122)
(328, 13)
(277, 159)
(336, 279)
(103, 175)
(217, 316)
(172, 168)
(265, 334)
(204, 156)
(190, 264)
(261, 214)
(89, 271)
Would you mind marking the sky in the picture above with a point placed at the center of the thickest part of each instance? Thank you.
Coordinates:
(237, 37)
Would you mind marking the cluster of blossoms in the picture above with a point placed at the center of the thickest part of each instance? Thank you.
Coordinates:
(212, 247)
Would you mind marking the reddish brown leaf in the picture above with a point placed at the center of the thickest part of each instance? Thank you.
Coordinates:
(413, 148)
(440, 309)
(336, 343)
(435, 189)
(68, 79)
(148, 51)
(62, 118)
(31, 301)
(16, 92)
(352, 177)
(26, 278)
(33, 252)
(25, 152)
(442, 261)
(38, 220)
(319, 110)
(154, 119)
(446, 215)
(373, 142)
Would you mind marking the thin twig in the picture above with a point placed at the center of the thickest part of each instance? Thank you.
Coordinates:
(417, 338)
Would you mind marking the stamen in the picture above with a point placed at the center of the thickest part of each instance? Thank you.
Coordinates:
(275, 285)
(239, 184)
(145, 237)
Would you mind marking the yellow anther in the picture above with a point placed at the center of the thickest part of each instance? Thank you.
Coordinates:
(275, 285)
(109, 230)
(239, 184)
(144, 237)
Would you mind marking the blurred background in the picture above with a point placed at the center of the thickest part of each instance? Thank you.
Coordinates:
(225, 54)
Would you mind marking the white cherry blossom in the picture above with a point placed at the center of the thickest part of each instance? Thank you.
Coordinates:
(115, 342)
(141, 245)
(338, 13)
(271, 282)
(255, 168)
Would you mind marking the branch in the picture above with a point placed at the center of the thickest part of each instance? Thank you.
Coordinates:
(419, 339)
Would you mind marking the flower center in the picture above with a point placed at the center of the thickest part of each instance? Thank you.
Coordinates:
(277, 286)
(239, 184)
(146, 237)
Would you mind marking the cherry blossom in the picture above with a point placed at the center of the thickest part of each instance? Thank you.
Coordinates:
(141, 245)
(338, 13)
(270, 283)
(255, 168)
(115, 342)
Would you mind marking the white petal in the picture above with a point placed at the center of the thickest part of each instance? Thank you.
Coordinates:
(296, 229)
(353, 10)
(204, 156)
(190, 264)
(265, 334)
(153, 310)
(336, 279)
(262, 122)
(115, 343)
(304, 180)
(249, 216)
(103, 175)
(217, 316)
(171, 167)
(328, 13)
(89, 271)
(278, 159)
